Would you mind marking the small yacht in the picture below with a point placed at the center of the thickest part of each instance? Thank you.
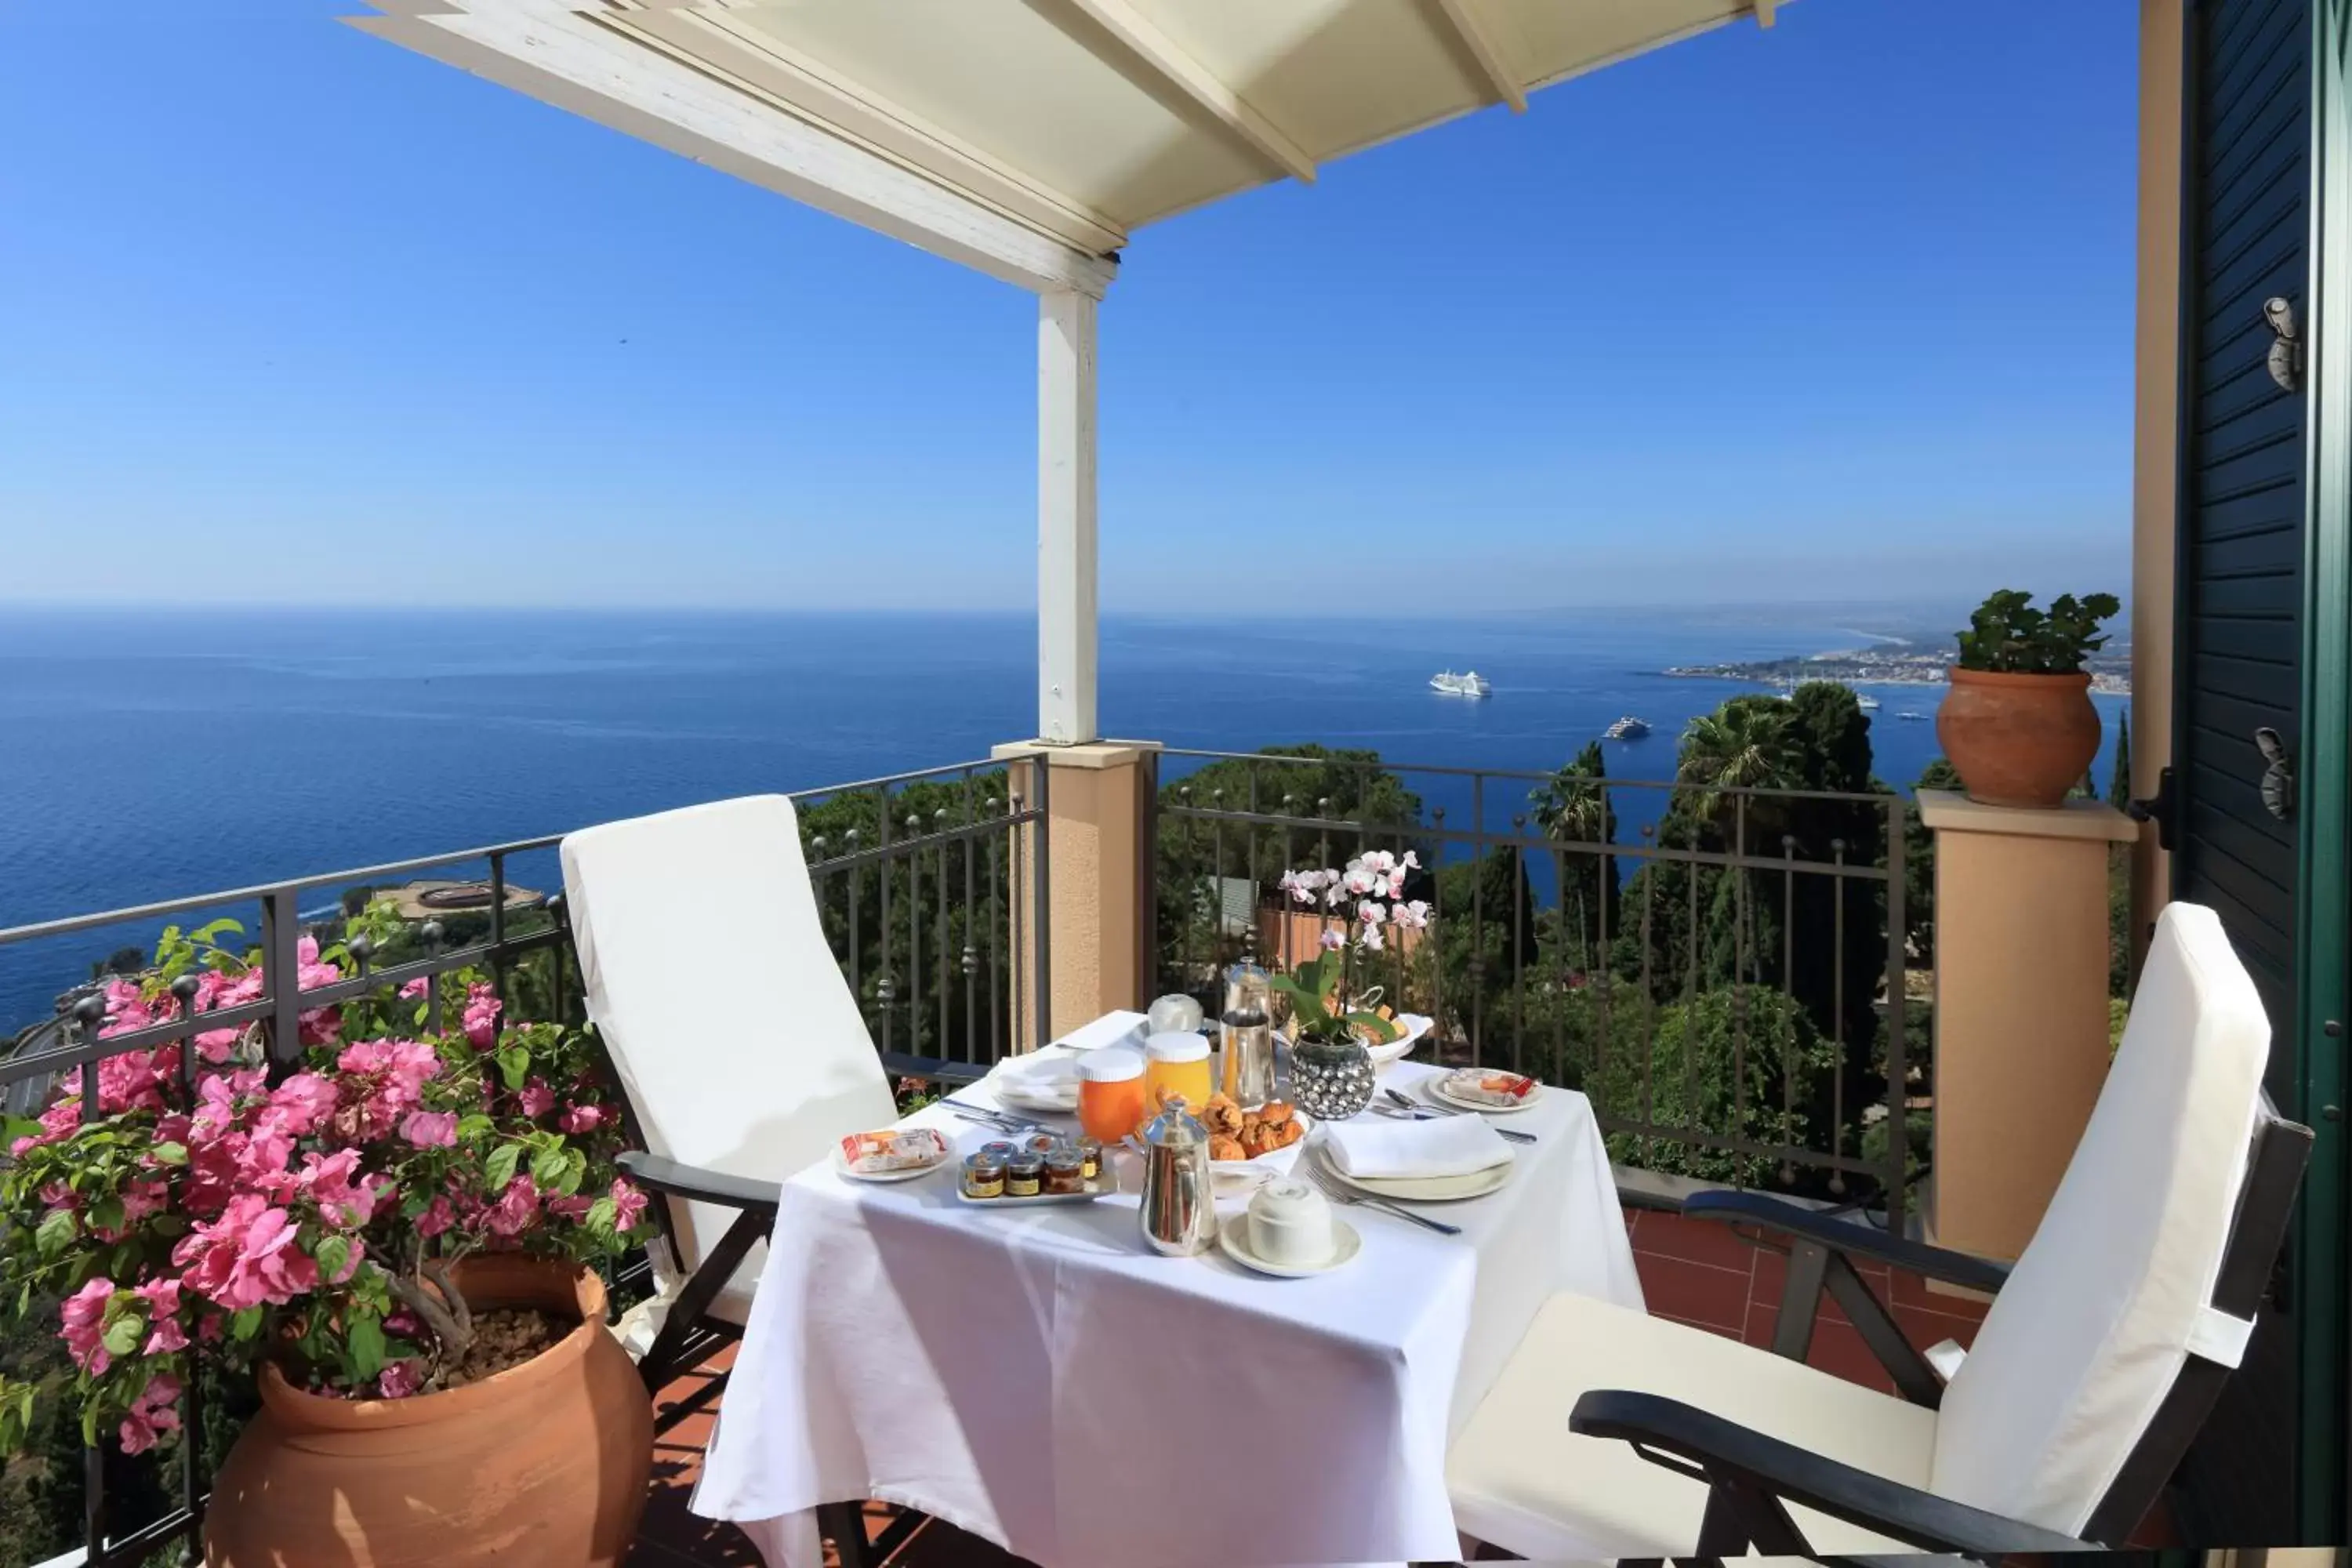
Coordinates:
(1626, 729)
(1866, 702)
(1471, 685)
(1913, 714)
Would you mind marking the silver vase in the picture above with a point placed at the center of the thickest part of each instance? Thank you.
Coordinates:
(1330, 1081)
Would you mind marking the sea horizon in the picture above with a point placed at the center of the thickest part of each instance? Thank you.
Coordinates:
(160, 756)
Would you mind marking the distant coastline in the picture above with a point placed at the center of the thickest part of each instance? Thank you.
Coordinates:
(1891, 662)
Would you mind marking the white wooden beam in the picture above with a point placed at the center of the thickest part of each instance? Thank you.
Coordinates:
(1483, 34)
(571, 61)
(757, 62)
(1764, 9)
(1159, 53)
(1066, 605)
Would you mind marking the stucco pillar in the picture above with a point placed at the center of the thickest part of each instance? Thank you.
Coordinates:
(2020, 1007)
(1097, 801)
(2155, 380)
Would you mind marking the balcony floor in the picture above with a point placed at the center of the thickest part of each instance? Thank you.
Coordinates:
(1696, 1273)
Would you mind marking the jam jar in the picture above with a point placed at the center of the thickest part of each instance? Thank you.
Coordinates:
(1065, 1175)
(1025, 1176)
(983, 1175)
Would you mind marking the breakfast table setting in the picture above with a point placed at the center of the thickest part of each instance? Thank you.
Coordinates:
(1122, 1301)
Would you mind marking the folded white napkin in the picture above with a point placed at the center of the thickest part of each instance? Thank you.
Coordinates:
(1109, 1029)
(1442, 1146)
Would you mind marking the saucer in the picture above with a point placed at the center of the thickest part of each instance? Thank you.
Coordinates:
(1233, 1236)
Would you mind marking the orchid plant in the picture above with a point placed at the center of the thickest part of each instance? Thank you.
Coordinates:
(313, 1217)
(1362, 905)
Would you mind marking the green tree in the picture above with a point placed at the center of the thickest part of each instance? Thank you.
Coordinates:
(1749, 743)
(1355, 801)
(1741, 1063)
(1573, 806)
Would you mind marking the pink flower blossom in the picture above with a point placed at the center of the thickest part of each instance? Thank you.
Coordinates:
(161, 1296)
(340, 1200)
(246, 1256)
(430, 1129)
(1413, 916)
(438, 1216)
(516, 1208)
(573, 1208)
(536, 1099)
(152, 1414)
(582, 1119)
(628, 1204)
(166, 1337)
(83, 1315)
(415, 989)
(302, 1102)
(1332, 940)
(1371, 913)
(402, 1321)
(1372, 939)
(482, 1009)
(400, 1379)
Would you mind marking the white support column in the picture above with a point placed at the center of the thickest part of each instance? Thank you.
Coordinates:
(1066, 518)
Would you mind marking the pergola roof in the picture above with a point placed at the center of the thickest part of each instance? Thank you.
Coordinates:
(1031, 137)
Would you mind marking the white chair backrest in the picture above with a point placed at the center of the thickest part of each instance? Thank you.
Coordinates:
(2085, 1340)
(717, 995)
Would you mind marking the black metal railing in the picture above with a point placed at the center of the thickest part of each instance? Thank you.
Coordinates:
(1721, 969)
(932, 886)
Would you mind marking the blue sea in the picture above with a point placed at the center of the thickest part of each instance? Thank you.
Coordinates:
(149, 755)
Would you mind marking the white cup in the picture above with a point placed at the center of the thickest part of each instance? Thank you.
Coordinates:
(1290, 1224)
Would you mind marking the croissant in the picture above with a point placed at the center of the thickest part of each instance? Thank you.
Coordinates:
(1274, 1113)
(1224, 1148)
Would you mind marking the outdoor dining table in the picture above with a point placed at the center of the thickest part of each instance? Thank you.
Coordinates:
(1041, 1378)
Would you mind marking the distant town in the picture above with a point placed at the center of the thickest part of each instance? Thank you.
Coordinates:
(1891, 663)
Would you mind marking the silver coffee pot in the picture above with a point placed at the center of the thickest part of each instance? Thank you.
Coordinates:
(1178, 1211)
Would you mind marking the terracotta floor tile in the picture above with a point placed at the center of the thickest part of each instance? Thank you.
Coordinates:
(1911, 1291)
(1694, 1323)
(1700, 1241)
(1696, 1292)
(1926, 1329)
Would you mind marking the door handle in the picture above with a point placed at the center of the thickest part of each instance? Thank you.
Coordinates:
(2156, 808)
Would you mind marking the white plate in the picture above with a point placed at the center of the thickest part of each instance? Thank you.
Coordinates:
(1436, 1087)
(841, 1168)
(1006, 1081)
(1426, 1189)
(1233, 1237)
(1011, 1092)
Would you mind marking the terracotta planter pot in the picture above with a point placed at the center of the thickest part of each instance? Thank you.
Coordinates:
(543, 1464)
(2019, 740)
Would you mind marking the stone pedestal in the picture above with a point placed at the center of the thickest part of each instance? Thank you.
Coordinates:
(2020, 1007)
(1094, 839)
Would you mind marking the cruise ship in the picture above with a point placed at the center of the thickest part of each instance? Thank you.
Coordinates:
(1626, 729)
(1471, 685)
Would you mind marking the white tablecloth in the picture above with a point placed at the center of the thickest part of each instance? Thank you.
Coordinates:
(1040, 1378)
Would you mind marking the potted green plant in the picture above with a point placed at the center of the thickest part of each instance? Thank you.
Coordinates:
(2017, 723)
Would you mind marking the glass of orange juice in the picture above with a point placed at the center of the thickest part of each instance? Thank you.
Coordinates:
(1110, 1094)
(1173, 1064)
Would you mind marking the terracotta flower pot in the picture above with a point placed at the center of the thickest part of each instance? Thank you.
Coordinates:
(542, 1465)
(2019, 740)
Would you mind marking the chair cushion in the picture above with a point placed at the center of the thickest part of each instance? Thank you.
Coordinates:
(2087, 1336)
(1520, 1479)
(712, 982)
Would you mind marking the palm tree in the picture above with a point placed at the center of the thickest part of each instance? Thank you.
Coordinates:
(1741, 745)
(1573, 806)
(1747, 743)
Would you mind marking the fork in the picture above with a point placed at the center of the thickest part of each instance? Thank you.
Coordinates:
(999, 1120)
(1424, 1113)
(1340, 1193)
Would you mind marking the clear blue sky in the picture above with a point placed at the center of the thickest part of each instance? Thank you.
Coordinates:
(1837, 311)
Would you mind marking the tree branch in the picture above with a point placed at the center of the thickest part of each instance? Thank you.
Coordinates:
(452, 1338)
(437, 1270)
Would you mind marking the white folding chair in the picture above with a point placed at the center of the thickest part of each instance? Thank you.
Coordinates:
(1614, 1435)
(742, 1052)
